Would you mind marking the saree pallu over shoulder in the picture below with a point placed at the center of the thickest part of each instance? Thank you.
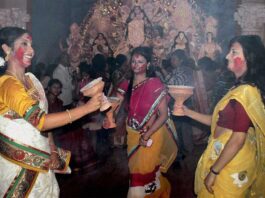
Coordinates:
(145, 98)
(244, 174)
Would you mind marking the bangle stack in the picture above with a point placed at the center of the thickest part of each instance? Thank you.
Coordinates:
(69, 115)
(213, 171)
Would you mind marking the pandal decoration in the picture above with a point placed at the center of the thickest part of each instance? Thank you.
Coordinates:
(110, 18)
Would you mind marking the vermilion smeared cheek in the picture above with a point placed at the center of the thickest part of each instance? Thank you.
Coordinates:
(238, 64)
(142, 68)
(19, 54)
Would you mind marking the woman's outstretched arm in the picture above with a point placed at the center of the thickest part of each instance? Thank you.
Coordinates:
(54, 120)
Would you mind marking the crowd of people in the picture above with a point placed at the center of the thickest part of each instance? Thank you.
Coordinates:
(34, 110)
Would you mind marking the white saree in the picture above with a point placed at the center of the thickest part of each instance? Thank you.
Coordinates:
(24, 156)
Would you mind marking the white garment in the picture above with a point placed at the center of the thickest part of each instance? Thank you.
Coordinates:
(19, 129)
(63, 74)
(23, 132)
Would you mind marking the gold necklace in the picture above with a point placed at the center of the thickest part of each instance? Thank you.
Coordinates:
(23, 81)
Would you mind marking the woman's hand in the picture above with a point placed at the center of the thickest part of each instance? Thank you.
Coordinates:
(54, 161)
(105, 123)
(209, 181)
(143, 141)
(144, 137)
(94, 103)
(182, 110)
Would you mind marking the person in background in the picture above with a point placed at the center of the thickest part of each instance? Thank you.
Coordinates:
(208, 69)
(64, 74)
(28, 157)
(233, 163)
(181, 74)
(55, 104)
(151, 137)
(99, 69)
(121, 73)
(47, 75)
(54, 89)
(85, 78)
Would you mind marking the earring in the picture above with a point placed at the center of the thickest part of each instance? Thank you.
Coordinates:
(148, 66)
(7, 56)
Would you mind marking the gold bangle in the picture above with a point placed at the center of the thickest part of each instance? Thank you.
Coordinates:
(69, 115)
(54, 152)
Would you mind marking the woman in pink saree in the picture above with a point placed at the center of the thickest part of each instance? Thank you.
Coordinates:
(151, 136)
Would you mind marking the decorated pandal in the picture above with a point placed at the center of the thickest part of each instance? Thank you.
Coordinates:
(114, 27)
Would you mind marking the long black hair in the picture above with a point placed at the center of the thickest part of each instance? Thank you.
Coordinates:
(254, 53)
(8, 36)
(146, 52)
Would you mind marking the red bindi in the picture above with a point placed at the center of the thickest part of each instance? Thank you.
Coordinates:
(29, 37)
(137, 55)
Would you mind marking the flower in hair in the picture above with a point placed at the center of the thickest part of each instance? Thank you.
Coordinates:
(2, 62)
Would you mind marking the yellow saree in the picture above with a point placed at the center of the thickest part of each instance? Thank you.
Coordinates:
(242, 176)
(145, 163)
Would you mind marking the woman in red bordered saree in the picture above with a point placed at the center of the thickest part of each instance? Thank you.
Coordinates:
(28, 159)
(151, 137)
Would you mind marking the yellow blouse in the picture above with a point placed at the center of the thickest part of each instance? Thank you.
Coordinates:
(15, 97)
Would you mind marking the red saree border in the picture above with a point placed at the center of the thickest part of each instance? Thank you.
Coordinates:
(137, 179)
(23, 155)
(22, 184)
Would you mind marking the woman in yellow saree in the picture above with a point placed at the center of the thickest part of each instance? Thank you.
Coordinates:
(233, 164)
(151, 137)
(28, 158)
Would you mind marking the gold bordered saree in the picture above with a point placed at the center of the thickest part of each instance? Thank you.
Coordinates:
(24, 152)
(244, 175)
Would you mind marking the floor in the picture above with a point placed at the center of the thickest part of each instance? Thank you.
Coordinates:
(109, 177)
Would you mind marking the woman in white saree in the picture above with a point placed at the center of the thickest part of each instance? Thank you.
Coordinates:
(28, 158)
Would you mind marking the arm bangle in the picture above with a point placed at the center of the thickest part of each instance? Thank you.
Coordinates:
(213, 171)
(54, 152)
(69, 115)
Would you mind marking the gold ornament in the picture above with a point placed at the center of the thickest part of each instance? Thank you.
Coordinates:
(7, 56)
